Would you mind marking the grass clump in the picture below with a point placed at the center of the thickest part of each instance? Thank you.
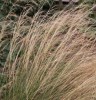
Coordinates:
(52, 58)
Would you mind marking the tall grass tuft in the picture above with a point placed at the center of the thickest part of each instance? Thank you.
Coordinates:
(51, 59)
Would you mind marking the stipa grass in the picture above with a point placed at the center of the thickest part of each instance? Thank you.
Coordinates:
(53, 60)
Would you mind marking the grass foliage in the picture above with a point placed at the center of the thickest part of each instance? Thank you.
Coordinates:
(50, 58)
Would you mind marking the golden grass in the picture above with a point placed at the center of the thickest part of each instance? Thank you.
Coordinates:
(54, 60)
